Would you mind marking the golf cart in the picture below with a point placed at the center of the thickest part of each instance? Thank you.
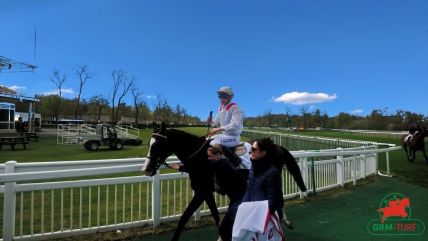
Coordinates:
(106, 135)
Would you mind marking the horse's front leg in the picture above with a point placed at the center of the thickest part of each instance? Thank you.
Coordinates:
(413, 155)
(209, 198)
(193, 206)
(407, 153)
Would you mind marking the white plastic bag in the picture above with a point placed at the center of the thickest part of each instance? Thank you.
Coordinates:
(254, 222)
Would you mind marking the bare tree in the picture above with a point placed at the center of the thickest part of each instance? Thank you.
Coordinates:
(288, 114)
(118, 76)
(305, 112)
(137, 94)
(268, 114)
(162, 111)
(126, 86)
(58, 80)
(98, 103)
(84, 74)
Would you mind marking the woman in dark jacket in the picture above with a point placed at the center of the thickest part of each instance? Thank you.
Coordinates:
(228, 182)
(264, 181)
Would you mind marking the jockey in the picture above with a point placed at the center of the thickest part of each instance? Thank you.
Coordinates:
(228, 120)
(413, 131)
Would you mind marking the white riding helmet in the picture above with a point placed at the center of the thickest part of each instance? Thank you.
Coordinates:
(225, 89)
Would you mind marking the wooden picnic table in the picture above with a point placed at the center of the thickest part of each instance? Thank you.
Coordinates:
(12, 141)
(30, 135)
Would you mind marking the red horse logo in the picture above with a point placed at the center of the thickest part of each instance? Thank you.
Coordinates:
(395, 208)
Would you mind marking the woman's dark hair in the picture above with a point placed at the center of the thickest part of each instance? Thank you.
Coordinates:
(266, 144)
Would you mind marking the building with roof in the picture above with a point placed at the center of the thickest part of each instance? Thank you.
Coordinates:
(25, 115)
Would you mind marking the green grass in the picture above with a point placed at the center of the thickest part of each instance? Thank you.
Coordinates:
(46, 149)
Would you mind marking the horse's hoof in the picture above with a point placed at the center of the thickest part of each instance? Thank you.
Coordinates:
(288, 224)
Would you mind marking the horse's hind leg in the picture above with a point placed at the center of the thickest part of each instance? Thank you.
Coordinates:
(287, 222)
(425, 155)
(193, 205)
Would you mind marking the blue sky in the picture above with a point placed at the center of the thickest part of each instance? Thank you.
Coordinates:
(334, 55)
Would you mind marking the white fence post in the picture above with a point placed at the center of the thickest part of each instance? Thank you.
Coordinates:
(354, 171)
(198, 214)
(303, 163)
(9, 204)
(387, 165)
(363, 164)
(156, 202)
(339, 172)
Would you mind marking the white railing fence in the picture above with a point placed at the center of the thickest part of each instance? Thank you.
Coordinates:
(59, 199)
(300, 142)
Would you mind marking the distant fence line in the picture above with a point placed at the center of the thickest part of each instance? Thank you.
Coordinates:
(300, 142)
(371, 133)
(50, 200)
(361, 133)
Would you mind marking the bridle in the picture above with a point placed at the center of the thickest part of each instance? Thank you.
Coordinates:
(160, 163)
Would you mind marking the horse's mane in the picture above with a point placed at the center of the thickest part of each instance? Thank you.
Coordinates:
(184, 136)
(187, 145)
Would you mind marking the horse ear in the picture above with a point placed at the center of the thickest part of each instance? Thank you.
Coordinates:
(163, 127)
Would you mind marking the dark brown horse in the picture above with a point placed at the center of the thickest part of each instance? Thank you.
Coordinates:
(417, 143)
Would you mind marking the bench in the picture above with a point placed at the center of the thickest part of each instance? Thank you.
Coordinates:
(12, 141)
(30, 135)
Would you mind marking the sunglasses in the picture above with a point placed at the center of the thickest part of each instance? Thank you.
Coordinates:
(253, 149)
(223, 96)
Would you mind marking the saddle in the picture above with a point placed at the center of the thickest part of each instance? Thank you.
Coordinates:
(236, 155)
(240, 149)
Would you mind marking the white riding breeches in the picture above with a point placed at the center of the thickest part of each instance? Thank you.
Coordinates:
(225, 140)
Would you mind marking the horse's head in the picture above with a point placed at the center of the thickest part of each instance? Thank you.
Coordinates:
(159, 150)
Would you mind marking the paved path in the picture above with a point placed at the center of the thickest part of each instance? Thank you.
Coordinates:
(344, 216)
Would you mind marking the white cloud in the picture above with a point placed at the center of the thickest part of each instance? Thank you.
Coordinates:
(151, 97)
(68, 91)
(356, 111)
(303, 98)
(65, 91)
(17, 89)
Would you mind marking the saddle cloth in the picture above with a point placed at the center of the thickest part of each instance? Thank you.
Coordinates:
(243, 152)
(240, 149)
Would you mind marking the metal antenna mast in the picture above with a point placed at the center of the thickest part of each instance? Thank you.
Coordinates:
(11, 66)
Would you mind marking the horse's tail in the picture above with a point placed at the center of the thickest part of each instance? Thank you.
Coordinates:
(293, 168)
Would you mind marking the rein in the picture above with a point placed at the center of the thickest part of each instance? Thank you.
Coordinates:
(208, 136)
(163, 163)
